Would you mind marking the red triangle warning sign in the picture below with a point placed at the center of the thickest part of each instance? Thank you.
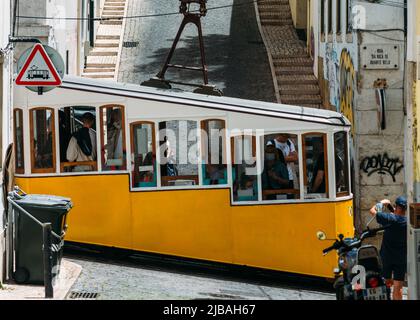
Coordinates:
(38, 70)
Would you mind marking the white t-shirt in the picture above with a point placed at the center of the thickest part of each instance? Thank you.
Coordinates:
(286, 149)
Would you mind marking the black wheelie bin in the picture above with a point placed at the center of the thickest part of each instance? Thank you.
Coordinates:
(29, 265)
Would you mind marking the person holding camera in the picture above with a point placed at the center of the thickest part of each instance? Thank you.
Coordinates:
(394, 244)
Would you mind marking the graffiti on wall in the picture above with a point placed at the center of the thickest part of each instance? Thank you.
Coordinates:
(332, 71)
(340, 72)
(381, 164)
(347, 86)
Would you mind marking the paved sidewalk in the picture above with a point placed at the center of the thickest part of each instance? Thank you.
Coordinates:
(69, 273)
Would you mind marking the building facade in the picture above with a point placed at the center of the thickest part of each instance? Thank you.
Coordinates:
(360, 64)
(61, 24)
(413, 90)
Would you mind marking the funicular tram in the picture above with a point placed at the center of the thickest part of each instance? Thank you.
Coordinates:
(188, 175)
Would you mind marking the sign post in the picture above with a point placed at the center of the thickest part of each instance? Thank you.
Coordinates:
(40, 69)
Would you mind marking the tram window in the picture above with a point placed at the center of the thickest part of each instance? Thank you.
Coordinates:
(18, 139)
(280, 175)
(178, 153)
(315, 165)
(43, 140)
(113, 153)
(341, 164)
(143, 155)
(77, 139)
(244, 169)
(213, 152)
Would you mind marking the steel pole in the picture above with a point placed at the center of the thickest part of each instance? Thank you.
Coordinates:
(47, 253)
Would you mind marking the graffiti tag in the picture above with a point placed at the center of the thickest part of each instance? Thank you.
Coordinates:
(382, 164)
(347, 86)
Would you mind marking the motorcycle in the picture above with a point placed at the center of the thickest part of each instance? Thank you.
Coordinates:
(358, 276)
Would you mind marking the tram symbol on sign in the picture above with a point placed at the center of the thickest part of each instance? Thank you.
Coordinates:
(39, 74)
(38, 70)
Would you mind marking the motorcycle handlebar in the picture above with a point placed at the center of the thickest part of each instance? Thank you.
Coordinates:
(371, 232)
(334, 246)
(367, 233)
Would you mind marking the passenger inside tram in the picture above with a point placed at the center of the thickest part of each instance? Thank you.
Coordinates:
(318, 176)
(284, 146)
(215, 173)
(179, 152)
(143, 155)
(275, 175)
(82, 145)
(245, 183)
(113, 150)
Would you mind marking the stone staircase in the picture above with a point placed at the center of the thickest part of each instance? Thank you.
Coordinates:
(292, 63)
(103, 59)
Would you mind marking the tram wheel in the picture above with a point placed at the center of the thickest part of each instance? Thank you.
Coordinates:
(21, 275)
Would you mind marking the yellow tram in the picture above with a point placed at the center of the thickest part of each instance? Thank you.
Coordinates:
(188, 175)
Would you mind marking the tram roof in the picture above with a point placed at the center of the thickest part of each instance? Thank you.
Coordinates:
(200, 100)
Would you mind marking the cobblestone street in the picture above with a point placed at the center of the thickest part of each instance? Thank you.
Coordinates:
(235, 53)
(142, 279)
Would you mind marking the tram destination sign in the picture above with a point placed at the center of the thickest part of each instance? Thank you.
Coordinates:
(382, 56)
(40, 68)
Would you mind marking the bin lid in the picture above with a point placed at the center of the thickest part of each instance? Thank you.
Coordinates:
(44, 200)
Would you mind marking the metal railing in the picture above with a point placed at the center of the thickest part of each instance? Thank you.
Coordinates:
(47, 246)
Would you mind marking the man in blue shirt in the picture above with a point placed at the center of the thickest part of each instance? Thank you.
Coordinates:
(394, 243)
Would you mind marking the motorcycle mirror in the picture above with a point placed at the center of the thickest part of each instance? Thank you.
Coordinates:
(321, 235)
